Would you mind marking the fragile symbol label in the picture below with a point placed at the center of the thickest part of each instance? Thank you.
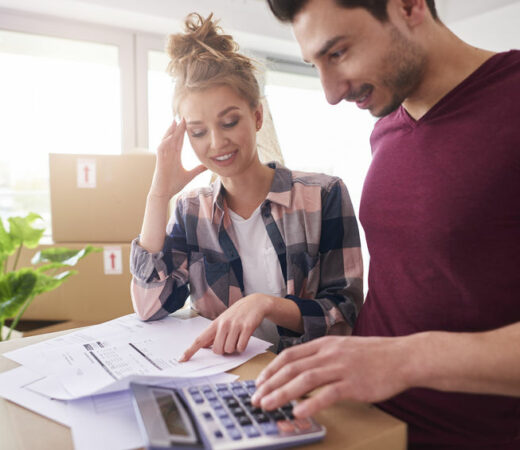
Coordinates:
(113, 260)
(86, 173)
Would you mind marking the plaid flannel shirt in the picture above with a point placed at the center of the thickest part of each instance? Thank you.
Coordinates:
(310, 221)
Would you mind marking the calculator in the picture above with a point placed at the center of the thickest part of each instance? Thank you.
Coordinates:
(216, 416)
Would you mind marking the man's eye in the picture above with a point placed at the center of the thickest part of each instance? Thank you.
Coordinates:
(230, 124)
(337, 54)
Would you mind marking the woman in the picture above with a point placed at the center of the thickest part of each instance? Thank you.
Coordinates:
(263, 250)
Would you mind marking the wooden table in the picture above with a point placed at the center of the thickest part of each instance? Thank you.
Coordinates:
(350, 426)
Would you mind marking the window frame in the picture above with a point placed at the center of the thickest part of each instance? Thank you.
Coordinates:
(74, 30)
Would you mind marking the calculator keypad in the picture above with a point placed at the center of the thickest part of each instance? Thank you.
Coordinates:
(228, 407)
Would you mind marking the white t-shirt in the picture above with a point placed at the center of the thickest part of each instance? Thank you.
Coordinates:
(261, 268)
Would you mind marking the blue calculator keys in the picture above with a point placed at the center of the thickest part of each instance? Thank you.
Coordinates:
(221, 417)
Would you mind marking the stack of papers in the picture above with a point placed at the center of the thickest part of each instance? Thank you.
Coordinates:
(81, 379)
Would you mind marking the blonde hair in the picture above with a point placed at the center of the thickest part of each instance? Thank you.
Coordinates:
(203, 57)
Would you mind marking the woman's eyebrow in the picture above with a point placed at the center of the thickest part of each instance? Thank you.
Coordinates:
(220, 114)
(225, 111)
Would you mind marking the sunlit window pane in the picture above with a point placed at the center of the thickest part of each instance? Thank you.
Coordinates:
(160, 91)
(315, 136)
(59, 96)
(160, 113)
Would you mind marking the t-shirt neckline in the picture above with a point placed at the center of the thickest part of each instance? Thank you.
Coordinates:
(238, 218)
(453, 92)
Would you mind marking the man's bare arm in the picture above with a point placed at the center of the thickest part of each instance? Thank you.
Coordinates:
(373, 369)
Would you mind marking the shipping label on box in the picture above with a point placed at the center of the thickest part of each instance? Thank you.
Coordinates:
(86, 173)
(113, 260)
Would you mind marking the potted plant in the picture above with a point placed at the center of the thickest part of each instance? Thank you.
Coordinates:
(50, 268)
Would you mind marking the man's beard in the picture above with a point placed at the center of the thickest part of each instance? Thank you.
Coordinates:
(405, 65)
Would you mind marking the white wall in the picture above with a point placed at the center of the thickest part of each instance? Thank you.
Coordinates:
(253, 25)
(496, 30)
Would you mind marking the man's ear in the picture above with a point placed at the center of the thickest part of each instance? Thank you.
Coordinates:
(413, 12)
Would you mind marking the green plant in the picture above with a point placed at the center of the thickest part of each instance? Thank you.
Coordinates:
(18, 288)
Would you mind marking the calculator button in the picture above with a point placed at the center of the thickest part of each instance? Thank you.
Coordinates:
(207, 416)
(244, 420)
(218, 434)
(198, 398)
(276, 415)
(255, 410)
(250, 383)
(227, 422)
(261, 417)
(193, 390)
(210, 395)
(231, 402)
(240, 392)
(225, 393)
(234, 434)
(251, 431)
(215, 404)
(286, 426)
(251, 390)
(221, 412)
(236, 384)
(238, 411)
(269, 428)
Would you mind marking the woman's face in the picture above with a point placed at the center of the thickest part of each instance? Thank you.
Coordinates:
(222, 127)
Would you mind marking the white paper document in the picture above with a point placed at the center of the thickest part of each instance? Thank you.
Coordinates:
(106, 357)
(14, 386)
(113, 417)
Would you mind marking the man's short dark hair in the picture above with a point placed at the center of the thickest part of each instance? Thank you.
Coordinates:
(286, 10)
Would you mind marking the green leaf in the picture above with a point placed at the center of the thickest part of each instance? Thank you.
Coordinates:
(7, 246)
(46, 283)
(63, 255)
(15, 289)
(21, 230)
(50, 266)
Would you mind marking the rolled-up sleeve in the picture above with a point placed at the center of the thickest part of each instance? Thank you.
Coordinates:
(160, 280)
(340, 293)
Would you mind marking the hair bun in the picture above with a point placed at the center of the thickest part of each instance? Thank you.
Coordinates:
(202, 39)
(203, 56)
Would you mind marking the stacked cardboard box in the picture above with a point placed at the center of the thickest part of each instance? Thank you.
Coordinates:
(97, 200)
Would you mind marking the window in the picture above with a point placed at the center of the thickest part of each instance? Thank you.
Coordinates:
(58, 96)
(160, 114)
(315, 136)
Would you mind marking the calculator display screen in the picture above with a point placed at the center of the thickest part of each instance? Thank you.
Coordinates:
(171, 414)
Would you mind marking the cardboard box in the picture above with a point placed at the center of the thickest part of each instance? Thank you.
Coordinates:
(99, 291)
(98, 198)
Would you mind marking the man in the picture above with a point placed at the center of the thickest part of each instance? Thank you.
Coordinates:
(437, 343)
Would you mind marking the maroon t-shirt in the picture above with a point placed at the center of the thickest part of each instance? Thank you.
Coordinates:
(441, 213)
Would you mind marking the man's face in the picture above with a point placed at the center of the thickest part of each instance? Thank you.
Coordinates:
(359, 58)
